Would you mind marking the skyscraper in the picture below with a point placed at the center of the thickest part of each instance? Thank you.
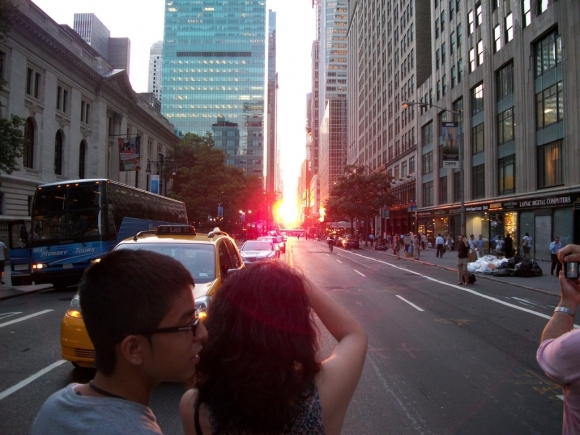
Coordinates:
(155, 60)
(272, 168)
(214, 62)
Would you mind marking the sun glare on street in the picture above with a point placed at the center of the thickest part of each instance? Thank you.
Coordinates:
(286, 213)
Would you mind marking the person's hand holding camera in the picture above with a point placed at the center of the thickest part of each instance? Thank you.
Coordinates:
(569, 256)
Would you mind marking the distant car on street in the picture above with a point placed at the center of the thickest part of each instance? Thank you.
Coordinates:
(277, 240)
(350, 242)
(258, 250)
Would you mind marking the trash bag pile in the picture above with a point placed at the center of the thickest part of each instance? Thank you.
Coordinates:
(490, 265)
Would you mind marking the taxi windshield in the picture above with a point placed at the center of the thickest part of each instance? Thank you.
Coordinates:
(198, 258)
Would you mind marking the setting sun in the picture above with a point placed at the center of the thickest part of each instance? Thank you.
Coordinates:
(286, 213)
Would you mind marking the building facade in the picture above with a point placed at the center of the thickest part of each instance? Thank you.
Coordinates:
(509, 69)
(76, 107)
(214, 68)
(273, 179)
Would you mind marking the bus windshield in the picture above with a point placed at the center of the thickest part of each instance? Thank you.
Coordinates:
(65, 213)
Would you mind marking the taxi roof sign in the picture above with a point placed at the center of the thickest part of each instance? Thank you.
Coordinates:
(175, 230)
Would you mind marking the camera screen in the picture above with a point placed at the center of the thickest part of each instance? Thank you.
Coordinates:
(572, 270)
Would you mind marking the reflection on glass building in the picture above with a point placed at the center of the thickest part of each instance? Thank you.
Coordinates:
(214, 75)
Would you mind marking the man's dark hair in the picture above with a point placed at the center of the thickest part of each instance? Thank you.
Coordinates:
(126, 292)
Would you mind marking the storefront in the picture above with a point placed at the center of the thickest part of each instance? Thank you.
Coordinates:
(542, 217)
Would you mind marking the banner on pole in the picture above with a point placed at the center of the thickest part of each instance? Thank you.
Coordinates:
(154, 184)
(129, 154)
(450, 146)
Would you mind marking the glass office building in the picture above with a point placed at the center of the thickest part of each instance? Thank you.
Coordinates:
(214, 60)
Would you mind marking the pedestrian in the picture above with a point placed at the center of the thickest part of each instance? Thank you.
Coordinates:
(472, 249)
(416, 246)
(439, 243)
(259, 372)
(462, 259)
(408, 241)
(499, 249)
(371, 238)
(560, 344)
(508, 246)
(480, 245)
(450, 242)
(526, 244)
(555, 246)
(140, 314)
(423, 242)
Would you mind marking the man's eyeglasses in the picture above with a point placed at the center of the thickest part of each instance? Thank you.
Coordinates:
(191, 327)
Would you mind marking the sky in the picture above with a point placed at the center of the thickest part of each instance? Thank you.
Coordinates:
(142, 22)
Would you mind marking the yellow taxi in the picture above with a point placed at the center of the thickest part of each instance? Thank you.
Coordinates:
(209, 258)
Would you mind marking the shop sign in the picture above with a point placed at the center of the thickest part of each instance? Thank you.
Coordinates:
(510, 204)
(424, 214)
(438, 212)
(557, 200)
(495, 206)
(477, 208)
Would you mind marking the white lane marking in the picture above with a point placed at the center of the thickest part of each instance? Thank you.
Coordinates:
(462, 288)
(339, 261)
(361, 274)
(410, 303)
(28, 380)
(24, 318)
(6, 315)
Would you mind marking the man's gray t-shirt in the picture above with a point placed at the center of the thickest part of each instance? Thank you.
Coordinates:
(66, 413)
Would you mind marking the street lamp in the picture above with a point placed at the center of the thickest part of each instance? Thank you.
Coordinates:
(160, 164)
(407, 104)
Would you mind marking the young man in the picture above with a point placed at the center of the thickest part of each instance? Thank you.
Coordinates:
(555, 246)
(526, 244)
(439, 243)
(140, 314)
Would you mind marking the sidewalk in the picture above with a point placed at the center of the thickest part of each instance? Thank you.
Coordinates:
(7, 291)
(545, 284)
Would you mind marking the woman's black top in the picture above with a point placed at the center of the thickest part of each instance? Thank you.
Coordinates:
(462, 250)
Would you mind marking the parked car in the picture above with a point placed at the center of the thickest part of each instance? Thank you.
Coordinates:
(350, 242)
(258, 250)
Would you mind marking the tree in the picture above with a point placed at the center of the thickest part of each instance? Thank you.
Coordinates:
(358, 194)
(11, 138)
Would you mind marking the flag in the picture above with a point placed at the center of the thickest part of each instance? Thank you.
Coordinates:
(129, 154)
(450, 147)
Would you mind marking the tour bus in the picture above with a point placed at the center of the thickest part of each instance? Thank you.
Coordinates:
(74, 223)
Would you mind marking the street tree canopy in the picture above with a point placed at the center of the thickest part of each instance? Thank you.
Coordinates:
(204, 181)
(358, 194)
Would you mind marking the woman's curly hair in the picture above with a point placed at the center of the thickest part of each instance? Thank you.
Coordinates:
(259, 362)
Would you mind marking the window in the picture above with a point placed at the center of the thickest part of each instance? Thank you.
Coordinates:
(457, 186)
(82, 158)
(505, 81)
(443, 190)
(58, 153)
(33, 79)
(442, 54)
(428, 193)
(505, 126)
(459, 36)
(527, 12)
(542, 6)
(459, 71)
(497, 38)
(550, 165)
(470, 22)
(451, 9)
(85, 112)
(2, 64)
(506, 170)
(477, 139)
(438, 89)
(428, 163)
(411, 165)
(427, 133)
(444, 83)
(550, 106)
(404, 169)
(28, 149)
(442, 21)
(477, 99)
(480, 52)
(547, 53)
(437, 58)
(478, 15)
(509, 27)
(458, 107)
(436, 28)
(62, 99)
(472, 64)
(453, 76)
(478, 178)
(452, 42)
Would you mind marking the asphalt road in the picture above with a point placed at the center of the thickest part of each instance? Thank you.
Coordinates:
(442, 359)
